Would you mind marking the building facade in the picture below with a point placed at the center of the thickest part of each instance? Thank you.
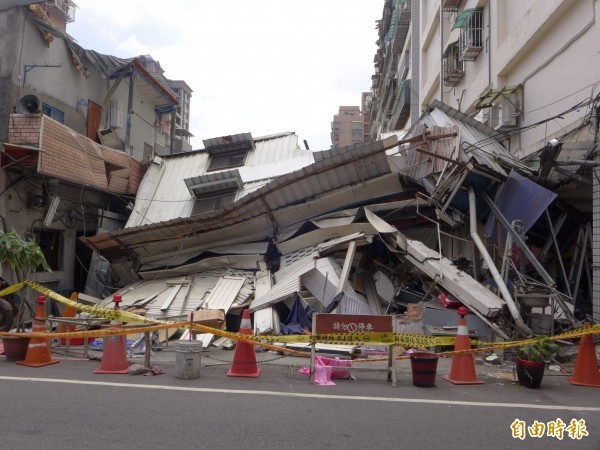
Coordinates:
(75, 129)
(182, 133)
(347, 127)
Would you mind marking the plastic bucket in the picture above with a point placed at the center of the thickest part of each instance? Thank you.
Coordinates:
(424, 366)
(187, 359)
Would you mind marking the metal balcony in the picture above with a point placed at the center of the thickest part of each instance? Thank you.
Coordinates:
(401, 108)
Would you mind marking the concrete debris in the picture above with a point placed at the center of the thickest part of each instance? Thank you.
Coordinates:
(493, 359)
(138, 369)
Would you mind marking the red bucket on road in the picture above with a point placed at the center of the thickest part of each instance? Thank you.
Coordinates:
(424, 367)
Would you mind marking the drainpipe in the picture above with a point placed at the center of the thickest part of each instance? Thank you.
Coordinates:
(514, 311)
(441, 53)
(132, 78)
(415, 50)
(490, 45)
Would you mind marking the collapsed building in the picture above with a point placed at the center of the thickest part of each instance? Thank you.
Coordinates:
(442, 216)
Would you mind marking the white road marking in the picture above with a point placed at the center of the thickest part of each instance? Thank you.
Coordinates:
(306, 395)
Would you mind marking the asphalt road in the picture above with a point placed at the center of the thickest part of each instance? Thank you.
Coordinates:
(68, 406)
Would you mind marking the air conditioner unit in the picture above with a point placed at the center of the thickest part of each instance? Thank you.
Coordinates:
(115, 114)
(503, 113)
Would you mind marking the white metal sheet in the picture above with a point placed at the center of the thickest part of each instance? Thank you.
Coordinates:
(174, 291)
(224, 293)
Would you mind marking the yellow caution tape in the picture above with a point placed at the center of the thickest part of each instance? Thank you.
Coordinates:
(403, 339)
(93, 333)
(11, 289)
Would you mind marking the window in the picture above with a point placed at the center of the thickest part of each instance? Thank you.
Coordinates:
(453, 68)
(53, 112)
(227, 160)
(51, 244)
(470, 22)
(357, 135)
(356, 125)
(213, 201)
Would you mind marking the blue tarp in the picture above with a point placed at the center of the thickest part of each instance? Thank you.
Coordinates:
(299, 319)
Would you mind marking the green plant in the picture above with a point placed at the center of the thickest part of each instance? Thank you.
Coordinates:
(24, 257)
(540, 350)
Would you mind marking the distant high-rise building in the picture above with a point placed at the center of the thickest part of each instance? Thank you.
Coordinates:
(183, 94)
(347, 127)
(182, 115)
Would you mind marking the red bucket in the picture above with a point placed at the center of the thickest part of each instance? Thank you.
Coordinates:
(424, 367)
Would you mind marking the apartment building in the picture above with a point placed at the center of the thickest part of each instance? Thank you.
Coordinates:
(347, 127)
(182, 133)
(76, 129)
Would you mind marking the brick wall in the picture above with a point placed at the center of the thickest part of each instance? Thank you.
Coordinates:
(24, 129)
(71, 156)
(67, 155)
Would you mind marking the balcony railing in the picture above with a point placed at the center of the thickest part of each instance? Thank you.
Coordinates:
(453, 68)
(470, 22)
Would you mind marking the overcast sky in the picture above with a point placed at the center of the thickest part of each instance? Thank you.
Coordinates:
(258, 66)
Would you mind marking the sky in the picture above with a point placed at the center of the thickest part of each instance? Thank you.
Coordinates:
(258, 66)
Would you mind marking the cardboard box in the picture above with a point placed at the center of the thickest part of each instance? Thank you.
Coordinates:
(214, 318)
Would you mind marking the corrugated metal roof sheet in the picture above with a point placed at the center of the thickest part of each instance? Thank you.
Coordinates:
(213, 182)
(482, 142)
(357, 165)
(190, 292)
(276, 148)
(169, 267)
(418, 165)
(231, 142)
(519, 198)
(287, 282)
(354, 303)
(477, 142)
(163, 194)
(224, 293)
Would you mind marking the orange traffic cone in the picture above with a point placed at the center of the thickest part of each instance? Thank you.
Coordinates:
(586, 365)
(463, 366)
(69, 312)
(38, 350)
(114, 355)
(244, 360)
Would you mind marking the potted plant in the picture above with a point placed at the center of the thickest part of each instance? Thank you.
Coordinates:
(531, 361)
(24, 257)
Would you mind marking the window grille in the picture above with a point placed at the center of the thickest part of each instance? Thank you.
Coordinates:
(227, 160)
